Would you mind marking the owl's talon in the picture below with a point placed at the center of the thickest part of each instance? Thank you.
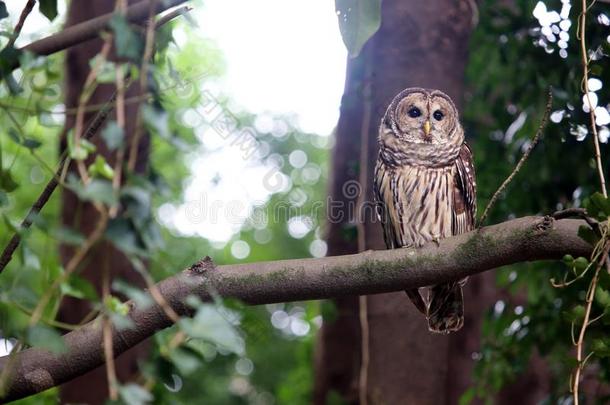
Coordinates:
(437, 240)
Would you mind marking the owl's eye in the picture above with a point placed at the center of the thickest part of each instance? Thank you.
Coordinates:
(438, 115)
(414, 112)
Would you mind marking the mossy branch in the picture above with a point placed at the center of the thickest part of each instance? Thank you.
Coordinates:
(370, 272)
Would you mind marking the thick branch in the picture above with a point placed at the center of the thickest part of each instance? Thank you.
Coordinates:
(370, 272)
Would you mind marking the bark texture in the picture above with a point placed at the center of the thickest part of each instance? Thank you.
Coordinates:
(370, 272)
(419, 44)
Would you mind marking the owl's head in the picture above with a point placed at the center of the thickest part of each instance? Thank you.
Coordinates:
(422, 116)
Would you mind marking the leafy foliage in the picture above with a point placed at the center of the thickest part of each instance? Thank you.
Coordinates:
(512, 64)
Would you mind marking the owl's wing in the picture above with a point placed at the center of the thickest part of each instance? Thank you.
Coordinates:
(383, 204)
(464, 193)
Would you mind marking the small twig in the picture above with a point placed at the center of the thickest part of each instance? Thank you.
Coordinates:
(146, 57)
(585, 83)
(87, 91)
(73, 264)
(585, 324)
(27, 9)
(107, 337)
(532, 145)
(579, 213)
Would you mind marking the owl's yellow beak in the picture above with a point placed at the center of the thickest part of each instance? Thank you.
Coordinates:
(427, 128)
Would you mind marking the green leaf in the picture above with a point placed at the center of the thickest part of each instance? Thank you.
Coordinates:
(122, 234)
(208, 324)
(156, 120)
(599, 206)
(106, 70)
(101, 168)
(137, 295)
(358, 21)
(6, 181)
(185, 360)
(48, 8)
(29, 143)
(9, 61)
(128, 44)
(115, 305)
(46, 337)
(586, 233)
(133, 394)
(113, 135)
(602, 297)
(80, 288)
(3, 11)
(69, 236)
(96, 190)
(600, 347)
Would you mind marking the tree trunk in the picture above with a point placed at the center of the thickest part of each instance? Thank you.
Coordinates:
(92, 387)
(419, 44)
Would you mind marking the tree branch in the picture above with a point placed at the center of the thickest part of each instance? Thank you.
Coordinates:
(370, 272)
(90, 29)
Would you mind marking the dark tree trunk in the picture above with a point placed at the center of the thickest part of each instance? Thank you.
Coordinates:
(92, 388)
(422, 44)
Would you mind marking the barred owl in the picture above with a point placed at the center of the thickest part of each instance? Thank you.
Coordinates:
(425, 189)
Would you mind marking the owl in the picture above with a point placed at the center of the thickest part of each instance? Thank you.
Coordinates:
(425, 189)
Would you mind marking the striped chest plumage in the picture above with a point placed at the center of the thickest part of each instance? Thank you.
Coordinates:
(419, 202)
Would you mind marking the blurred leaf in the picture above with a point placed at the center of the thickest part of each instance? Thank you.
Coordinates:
(113, 135)
(48, 8)
(101, 168)
(358, 21)
(587, 234)
(7, 183)
(96, 190)
(602, 297)
(133, 394)
(26, 142)
(185, 360)
(598, 206)
(78, 287)
(9, 61)
(156, 120)
(601, 348)
(69, 236)
(106, 70)
(113, 304)
(128, 44)
(46, 337)
(137, 295)
(122, 234)
(208, 324)
(3, 11)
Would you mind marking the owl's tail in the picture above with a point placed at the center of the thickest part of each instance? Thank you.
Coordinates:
(446, 308)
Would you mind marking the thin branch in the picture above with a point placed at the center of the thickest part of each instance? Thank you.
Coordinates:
(27, 9)
(583, 329)
(370, 272)
(146, 57)
(532, 145)
(585, 84)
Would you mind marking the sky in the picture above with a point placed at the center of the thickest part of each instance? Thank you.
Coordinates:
(283, 57)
